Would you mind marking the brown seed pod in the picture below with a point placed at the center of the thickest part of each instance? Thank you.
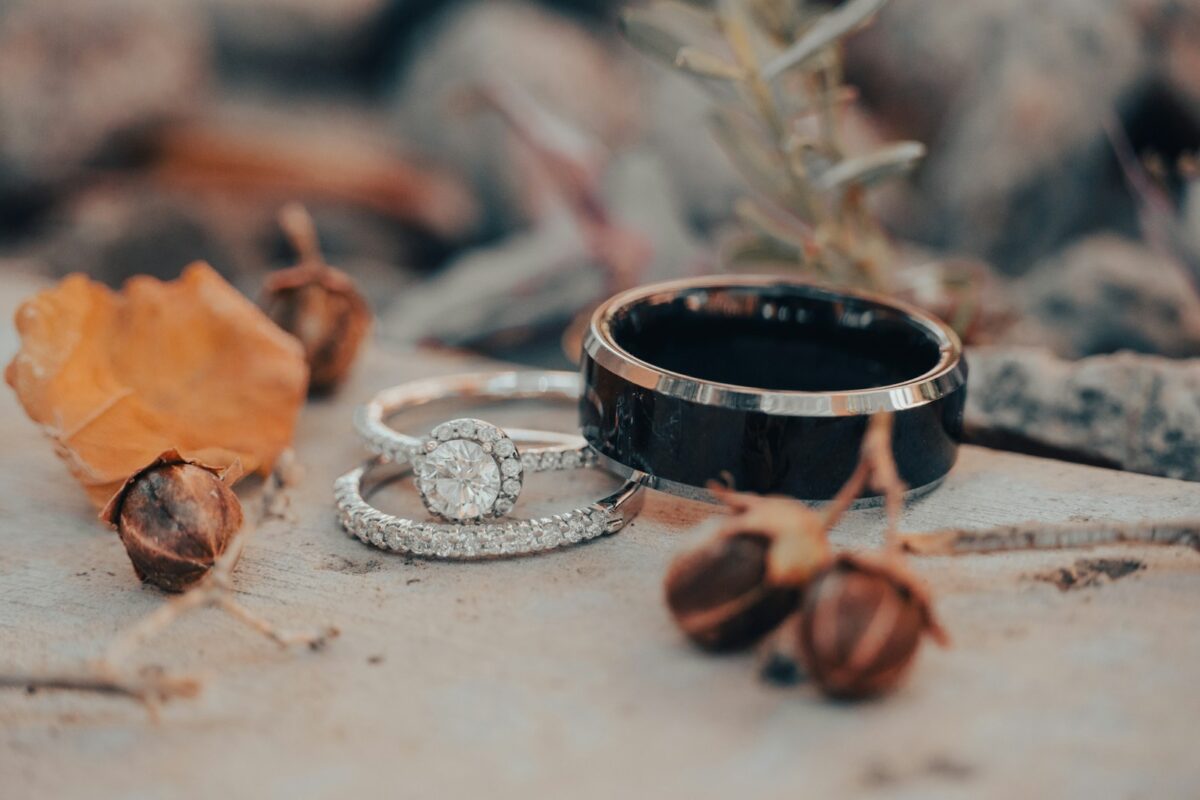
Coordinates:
(731, 591)
(319, 305)
(175, 518)
(720, 596)
(860, 624)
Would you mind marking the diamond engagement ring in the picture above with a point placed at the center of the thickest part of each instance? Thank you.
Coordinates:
(467, 469)
(483, 540)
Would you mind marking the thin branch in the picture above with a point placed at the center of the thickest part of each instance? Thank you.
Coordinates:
(883, 476)
(214, 590)
(1042, 536)
(151, 688)
(159, 686)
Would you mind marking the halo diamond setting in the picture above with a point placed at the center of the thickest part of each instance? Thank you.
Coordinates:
(468, 470)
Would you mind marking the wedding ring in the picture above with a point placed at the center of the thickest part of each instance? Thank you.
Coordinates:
(766, 384)
(468, 469)
(478, 541)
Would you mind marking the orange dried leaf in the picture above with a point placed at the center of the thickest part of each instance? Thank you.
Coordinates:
(118, 378)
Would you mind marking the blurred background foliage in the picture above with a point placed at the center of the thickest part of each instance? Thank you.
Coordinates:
(488, 170)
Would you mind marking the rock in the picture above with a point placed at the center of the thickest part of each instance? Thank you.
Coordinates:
(1013, 98)
(113, 231)
(517, 42)
(676, 125)
(1177, 26)
(1107, 293)
(76, 78)
(537, 280)
(1125, 411)
(300, 42)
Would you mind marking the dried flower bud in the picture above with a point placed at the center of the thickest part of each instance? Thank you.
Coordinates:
(860, 624)
(175, 519)
(319, 305)
(720, 596)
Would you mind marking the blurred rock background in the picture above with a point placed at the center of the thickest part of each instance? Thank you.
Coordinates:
(487, 169)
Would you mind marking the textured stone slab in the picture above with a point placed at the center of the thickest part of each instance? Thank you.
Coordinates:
(1134, 412)
(562, 675)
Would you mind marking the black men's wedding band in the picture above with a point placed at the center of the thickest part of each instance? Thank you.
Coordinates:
(766, 383)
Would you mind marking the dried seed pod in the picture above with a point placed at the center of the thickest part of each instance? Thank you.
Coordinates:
(319, 305)
(734, 589)
(720, 596)
(175, 518)
(860, 624)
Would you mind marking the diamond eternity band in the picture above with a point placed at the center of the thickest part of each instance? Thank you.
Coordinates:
(484, 540)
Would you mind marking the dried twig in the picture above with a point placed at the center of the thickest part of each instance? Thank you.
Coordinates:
(215, 590)
(1044, 536)
(150, 688)
(876, 471)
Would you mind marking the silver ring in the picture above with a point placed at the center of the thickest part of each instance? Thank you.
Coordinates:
(766, 383)
(735, 293)
(468, 469)
(479, 541)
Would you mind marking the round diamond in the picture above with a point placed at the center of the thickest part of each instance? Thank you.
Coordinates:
(511, 467)
(504, 447)
(512, 486)
(458, 480)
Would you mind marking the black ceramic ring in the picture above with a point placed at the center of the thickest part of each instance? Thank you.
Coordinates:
(768, 384)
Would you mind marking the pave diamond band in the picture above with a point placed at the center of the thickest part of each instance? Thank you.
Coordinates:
(485, 540)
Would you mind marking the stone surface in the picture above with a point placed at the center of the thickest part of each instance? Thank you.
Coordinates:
(77, 77)
(299, 42)
(1013, 96)
(474, 44)
(562, 675)
(540, 278)
(1107, 293)
(458, 480)
(1133, 412)
(117, 230)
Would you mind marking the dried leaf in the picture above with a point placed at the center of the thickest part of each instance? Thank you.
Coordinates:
(874, 167)
(118, 378)
(825, 31)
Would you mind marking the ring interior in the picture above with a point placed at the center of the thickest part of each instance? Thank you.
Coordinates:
(781, 338)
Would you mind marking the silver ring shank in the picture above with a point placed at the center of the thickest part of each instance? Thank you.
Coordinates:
(479, 541)
(553, 451)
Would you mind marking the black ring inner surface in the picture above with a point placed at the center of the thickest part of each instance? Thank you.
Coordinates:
(778, 338)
